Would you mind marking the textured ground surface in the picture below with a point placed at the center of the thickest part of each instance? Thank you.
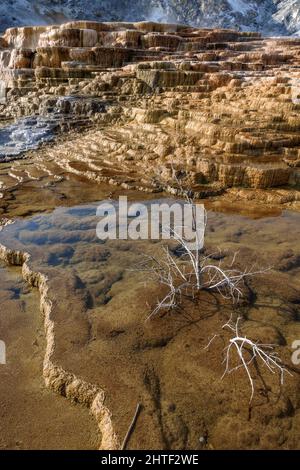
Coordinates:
(140, 107)
(31, 416)
(99, 308)
(132, 104)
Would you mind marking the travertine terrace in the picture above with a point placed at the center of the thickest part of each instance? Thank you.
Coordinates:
(218, 107)
(101, 353)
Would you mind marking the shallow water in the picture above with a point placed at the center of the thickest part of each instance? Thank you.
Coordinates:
(102, 302)
(73, 226)
(29, 133)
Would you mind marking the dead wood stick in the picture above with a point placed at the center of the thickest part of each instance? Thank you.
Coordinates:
(131, 427)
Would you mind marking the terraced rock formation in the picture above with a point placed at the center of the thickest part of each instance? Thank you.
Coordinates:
(157, 108)
(101, 352)
(218, 108)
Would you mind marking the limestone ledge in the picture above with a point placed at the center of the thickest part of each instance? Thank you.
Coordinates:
(56, 378)
(221, 107)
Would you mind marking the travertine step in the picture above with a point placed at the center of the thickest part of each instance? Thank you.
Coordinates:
(220, 105)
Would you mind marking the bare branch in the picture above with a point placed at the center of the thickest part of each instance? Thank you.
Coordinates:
(262, 353)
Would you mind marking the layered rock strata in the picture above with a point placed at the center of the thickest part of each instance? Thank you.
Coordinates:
(218, 108)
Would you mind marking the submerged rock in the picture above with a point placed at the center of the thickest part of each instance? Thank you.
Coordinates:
(24, 135)
(219, 107)
(55, 115)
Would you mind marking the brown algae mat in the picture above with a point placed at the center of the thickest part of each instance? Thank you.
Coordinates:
(32, 417)
(102, 353)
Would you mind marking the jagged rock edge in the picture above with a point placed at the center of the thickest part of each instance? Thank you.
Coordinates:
(56, 378)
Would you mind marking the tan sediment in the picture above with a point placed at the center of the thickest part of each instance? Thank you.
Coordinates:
(162, 364)
(56, 378)
(219, 107)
